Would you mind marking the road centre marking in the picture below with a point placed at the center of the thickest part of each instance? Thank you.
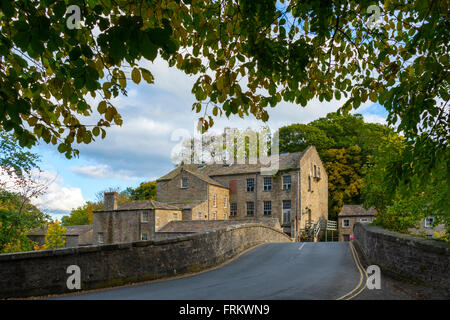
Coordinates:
(360, 269)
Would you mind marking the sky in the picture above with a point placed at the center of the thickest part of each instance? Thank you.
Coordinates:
(155, 118)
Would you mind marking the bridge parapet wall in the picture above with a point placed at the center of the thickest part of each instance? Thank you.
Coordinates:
(405, 256)
(40, 273)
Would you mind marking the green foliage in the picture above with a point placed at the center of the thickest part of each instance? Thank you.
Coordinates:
(55, 237)
(15, 224)
(343, 167)
(404, 201)
(81, 215)
(145, 191)
(344, 144)
(292, 51)
(13, 156)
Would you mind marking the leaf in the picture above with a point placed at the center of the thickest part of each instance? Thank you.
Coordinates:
(147, 76)
(136, 75)
(96, 131)
(148, 49)
(102, 107)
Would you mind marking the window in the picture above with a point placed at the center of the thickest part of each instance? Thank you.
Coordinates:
(309, 184)
(267, 183)
(101, 238)
(233, 209)
(215, 201)
(250, 208)
(250, 185)
(346, 223)
(184, 182)
(315, 171)
(286, 182)
(267, 208)
(286, 204)
(286, 211)
(144, 217)
(175, 216)
(428, 222)
(225, 202)
(144, 236)
(215, 215)
(318, 172)
(364, 220)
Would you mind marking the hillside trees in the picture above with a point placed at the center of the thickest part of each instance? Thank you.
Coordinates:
(344, 144)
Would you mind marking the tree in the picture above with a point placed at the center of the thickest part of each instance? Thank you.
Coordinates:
(289, 50)
(145, 191)
(82, 215)
(402, 204)
(55, 237)
(16, 220)
(344, 144)
(343, 167)
(20, 182)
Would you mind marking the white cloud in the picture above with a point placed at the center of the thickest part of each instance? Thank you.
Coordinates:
(102, 172)
(58, 197)
(374, 118)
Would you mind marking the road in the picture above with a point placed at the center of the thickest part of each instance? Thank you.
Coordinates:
(321, 270)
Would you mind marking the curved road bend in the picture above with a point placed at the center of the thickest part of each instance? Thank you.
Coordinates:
(321, 270)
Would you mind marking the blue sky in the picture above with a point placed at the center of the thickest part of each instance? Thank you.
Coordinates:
(140, 150)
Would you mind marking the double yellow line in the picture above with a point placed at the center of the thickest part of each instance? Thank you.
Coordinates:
(362, 279)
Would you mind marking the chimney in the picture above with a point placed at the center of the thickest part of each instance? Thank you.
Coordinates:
(110, 201)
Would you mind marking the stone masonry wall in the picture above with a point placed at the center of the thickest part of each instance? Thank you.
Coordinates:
(171, 190)
(220, 212)
(315, 199)
(404, 255)
(44, 272)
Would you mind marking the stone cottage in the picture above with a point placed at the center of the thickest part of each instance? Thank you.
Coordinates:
(131, 221)
(351, 213)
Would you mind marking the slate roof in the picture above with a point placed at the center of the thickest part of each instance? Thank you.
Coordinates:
(70, 230)
(145, 204)
(355, 210)
(186, 204)
(285, 161)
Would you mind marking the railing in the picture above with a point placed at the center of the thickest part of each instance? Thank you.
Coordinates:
(331, 225)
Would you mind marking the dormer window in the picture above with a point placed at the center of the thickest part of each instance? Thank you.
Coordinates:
(184, 182)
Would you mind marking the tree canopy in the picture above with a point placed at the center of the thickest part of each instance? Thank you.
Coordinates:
(247, 56)
(344, 144)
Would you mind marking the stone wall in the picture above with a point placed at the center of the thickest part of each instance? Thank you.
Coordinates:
(44, 272)
(219, 211)
(314, 200)
(171, 190)
(405, 256)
